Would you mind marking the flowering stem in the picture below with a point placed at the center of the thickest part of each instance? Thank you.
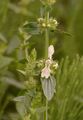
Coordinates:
(46, 56)
(46, 52)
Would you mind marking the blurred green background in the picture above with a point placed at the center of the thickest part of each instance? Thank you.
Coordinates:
(68, 41)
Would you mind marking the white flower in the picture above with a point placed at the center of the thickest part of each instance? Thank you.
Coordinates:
(50, 51)
(45, 72)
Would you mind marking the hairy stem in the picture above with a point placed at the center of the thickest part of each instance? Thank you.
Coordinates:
(46, 109)
(46, 43)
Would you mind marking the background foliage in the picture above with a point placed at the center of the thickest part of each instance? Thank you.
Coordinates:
(68, 101)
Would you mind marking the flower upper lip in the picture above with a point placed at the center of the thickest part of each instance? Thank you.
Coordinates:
(50, 51)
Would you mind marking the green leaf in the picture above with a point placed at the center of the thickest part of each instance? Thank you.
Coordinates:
(32, 28)
(22, 104)
(22, 72)
(48, 86)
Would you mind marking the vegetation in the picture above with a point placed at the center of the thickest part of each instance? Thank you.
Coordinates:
(41, 63)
